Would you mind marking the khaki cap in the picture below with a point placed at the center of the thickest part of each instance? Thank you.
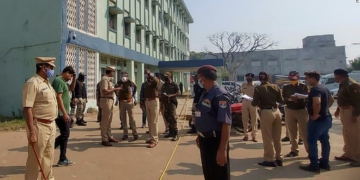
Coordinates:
(111, 68)
(48, 60)
(168, 74)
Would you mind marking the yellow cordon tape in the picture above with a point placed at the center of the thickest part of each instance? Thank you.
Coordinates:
(181, 132)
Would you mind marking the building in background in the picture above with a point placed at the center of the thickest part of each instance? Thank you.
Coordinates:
(319, 53)
(90, 35)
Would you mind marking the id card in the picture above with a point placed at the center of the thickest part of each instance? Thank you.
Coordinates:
(197, 114)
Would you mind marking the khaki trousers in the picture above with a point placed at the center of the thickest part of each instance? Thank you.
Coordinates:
(123, 108)
(287, 130)
(80, 108)
(107, 106)
(293, 120)
(249, 111)
(270, 120)
(152, 116)
(44, 147)
(351, 134)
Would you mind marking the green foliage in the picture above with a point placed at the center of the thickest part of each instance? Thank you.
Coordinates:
(196, 55)
(355, 64)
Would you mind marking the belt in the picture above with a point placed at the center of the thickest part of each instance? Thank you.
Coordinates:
(270, 108)
(108, 98)
(126, 100)
(209, 134)
(150, 99)
(45, 121)
(295, 108)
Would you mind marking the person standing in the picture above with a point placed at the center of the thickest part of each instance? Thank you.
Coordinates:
(320, 121)
(168, 97)
(266, 97)
(181, 86)
(192, 95)
(107, 105)
(142, 104)
(63, 120)
(151, 96)
(40, 111)
(162, 108)
(198, 92)
(80, 99)
(349, 110)
(126, 104)
(247, 109)
(213, 123)
(296, 114)
(98, 95)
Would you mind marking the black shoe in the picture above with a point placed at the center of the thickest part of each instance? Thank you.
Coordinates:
(191, 131)
(136, 137)
(292, 154)
(267, 164)
(125, 137)
(324, 166)
(147, 132)
(82, 119)
(80, 123)
(279, 163)
(175, 136)
(166, 131)
(121, 128)
(285, 139)
(168, 135)
(310, 168)
(301, 142)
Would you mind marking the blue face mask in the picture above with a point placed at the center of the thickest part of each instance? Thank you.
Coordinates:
(50, 73)
(200, 84)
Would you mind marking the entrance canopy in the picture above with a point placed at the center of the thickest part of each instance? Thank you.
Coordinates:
(188, 65)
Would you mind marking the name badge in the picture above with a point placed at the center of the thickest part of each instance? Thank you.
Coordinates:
(197, 114)
(125, 101)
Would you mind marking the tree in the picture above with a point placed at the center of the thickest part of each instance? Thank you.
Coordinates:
(196, 55)
(355, 64)
(234, 47)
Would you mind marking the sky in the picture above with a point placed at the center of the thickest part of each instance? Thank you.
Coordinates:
(286, 21)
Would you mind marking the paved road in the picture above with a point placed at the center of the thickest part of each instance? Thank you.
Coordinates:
(133, 161)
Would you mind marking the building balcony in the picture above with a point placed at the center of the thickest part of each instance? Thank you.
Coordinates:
(156, 2)
(114, 10)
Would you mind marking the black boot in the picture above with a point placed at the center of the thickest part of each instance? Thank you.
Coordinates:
(175, 136)
(80, 123)
(170, 134)
(192, 130)
(82, 120)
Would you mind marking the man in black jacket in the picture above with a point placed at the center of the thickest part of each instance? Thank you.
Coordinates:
(197, 91)
(80, 99)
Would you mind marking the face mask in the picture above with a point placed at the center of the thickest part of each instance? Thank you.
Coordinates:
(248, 80)
(50, 73)
(166, 79)
(123, 78)
(200, 84)
(293, 82)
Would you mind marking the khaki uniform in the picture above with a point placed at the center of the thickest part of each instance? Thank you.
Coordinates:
(107, 106)
(248, 110)
(296, 115)
(39, 95)
(126, 104)
(152, 106)
(265, 97)
(349, 104)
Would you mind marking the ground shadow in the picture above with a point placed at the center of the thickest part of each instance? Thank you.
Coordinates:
(246, 145)
(191, 169)
(6, 171)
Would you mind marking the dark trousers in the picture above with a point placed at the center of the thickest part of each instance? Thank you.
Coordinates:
(62, 139)
(170, 114)
(143, 116)
(208, 152)
(318, 130)
(99, 115)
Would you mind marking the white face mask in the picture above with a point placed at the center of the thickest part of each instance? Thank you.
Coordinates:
(123, 78)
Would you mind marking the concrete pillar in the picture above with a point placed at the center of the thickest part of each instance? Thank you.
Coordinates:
(186, 82)
(130, 70)
(139, 77)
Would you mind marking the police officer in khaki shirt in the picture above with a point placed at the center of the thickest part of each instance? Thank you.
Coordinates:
(107, 105)
(266, 97)
(349, 110)
(247, 109)
(40, 110)
(296, 114)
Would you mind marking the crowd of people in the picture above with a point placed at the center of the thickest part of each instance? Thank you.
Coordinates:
(49, 105)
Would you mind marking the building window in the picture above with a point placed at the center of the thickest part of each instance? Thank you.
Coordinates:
(127, 28)
(154, 10)
(112, 22)
(166, 23)
(160, 16)
(154, 44)
(147, 40)
(138, 36)
(161, 48)
(167, 51)
(118, 75)
(147, 4)
(103, 71)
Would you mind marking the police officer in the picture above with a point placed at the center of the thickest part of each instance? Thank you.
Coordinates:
(213, 122)
(198, 92)
(295, 112)
(40, 109)
(162, 108)
(247, 109)
(80, 99)
(107, 104)
(348, 101)
(98, 95)
(126, 104)
(266, 97)
(168, 97)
